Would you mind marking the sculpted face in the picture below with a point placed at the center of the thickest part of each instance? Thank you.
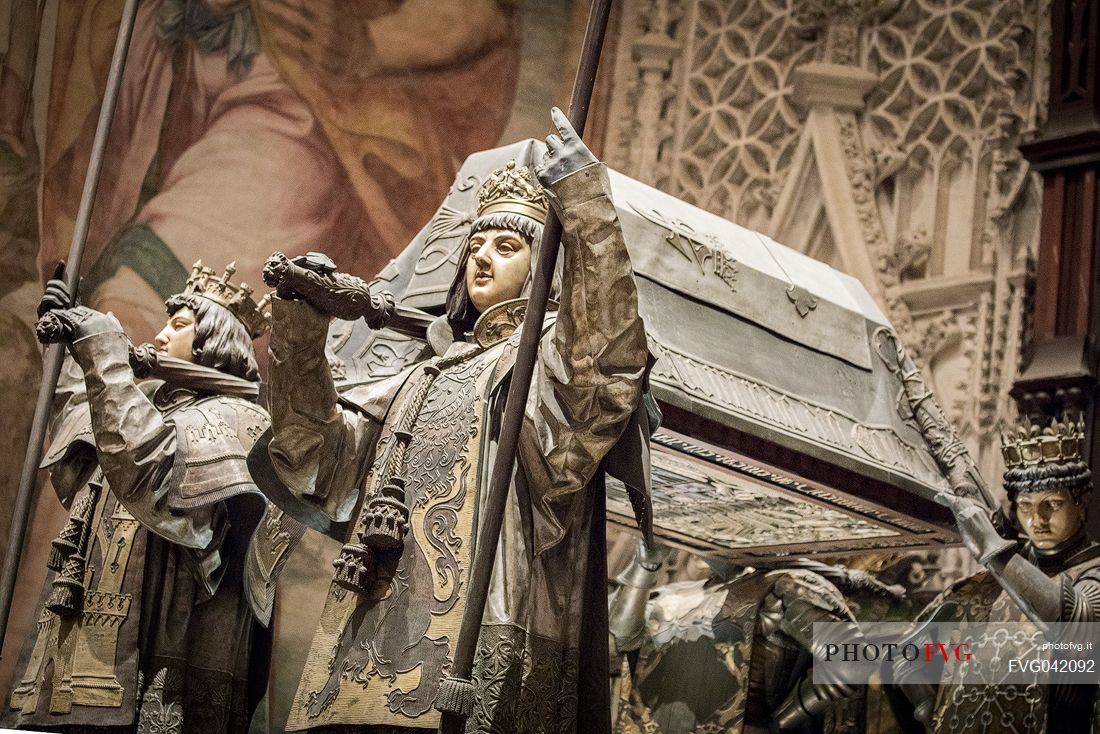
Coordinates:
(178, 335)
(499, 262)
(1049, 518)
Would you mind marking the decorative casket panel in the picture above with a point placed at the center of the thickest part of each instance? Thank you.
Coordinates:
(784, 432)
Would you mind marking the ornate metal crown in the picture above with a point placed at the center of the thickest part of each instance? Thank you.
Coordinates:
(512, 189)
(1059, 442)
(204, 282)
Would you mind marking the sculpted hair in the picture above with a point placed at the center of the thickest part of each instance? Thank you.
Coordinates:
(221, 341)
(1074, 476)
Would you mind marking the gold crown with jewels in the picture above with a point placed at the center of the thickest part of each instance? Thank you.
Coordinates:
(205, 283)
(512, 190)
(1058, 443)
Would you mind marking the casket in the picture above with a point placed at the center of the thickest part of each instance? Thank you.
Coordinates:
(784, 432)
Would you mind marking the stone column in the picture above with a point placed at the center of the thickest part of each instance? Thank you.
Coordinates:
(652, 54)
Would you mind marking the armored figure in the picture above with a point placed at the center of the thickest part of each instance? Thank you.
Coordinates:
(406, 460)
(1054, 577)
(166, 563)
(732, 653)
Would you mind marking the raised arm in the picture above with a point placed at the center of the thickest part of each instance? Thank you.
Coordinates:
(1044, 599)
(136, 448)
(319, 448)
(71, 456)
(592, 364)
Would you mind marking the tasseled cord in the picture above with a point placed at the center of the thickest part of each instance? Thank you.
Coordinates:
(68, 556)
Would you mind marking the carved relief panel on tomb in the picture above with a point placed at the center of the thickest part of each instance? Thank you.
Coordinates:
(880, 137)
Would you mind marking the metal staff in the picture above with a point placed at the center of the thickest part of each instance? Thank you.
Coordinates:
(55, 353)
(489, 535)
(947, 449)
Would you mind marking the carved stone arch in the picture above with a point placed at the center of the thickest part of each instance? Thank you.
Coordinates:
(948, 364)
(957, 227)
(845, 141)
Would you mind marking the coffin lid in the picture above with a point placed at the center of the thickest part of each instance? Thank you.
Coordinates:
(749, 336)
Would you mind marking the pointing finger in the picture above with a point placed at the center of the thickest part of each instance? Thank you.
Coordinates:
(561, 122)
(554, 143)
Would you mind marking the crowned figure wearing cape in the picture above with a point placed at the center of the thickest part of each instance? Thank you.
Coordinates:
(408, 459)
(1052, 579)
(168, 539)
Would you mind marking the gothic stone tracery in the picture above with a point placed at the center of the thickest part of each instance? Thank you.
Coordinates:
(705, 107)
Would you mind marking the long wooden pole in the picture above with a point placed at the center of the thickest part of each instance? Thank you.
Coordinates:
(492, 515)
(55, 353)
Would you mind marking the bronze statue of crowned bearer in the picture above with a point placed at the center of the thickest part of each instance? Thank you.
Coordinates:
(1054, 577)
(167, 538)
(406, 460)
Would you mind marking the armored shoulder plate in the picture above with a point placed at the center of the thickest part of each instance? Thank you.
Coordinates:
(72, 432)
(214, 435)
(71, 456)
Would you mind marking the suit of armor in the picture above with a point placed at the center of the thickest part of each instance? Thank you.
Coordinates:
(730, 656)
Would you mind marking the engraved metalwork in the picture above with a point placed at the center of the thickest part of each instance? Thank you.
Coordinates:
(158, 717)
(808, 491)
(803, 300)
(385, 358)
(524, 681)
(692, 498)
(946, 448)
(436, 491)
(237, 299)
(336, 294)
(105, 609)
(704, 251)
(786, 412)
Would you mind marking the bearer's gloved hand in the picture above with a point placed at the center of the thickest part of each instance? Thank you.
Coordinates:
(313, 278)
(279, 271)
(976, 528)
(73, 324)
(56, 296)
(566, 153)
